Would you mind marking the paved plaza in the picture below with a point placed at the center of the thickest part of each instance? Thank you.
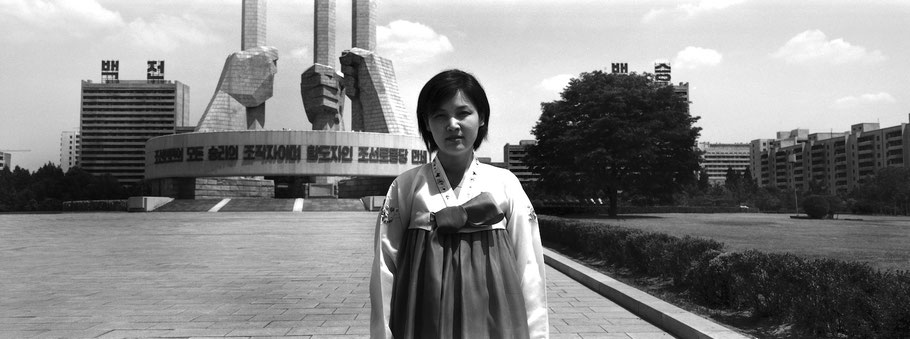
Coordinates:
(238, 275)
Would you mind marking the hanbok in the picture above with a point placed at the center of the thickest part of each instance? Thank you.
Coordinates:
(484, 281)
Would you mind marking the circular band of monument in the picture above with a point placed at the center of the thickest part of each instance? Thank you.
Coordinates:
(282, 153)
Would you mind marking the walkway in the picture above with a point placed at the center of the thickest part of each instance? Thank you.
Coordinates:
(238, 275)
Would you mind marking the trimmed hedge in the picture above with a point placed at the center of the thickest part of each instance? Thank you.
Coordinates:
(570, 208)
(94, 205)
(824, 298)
(816, 206)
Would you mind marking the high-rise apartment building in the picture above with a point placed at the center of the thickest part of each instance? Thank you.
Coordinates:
(717, 158)
(69, 150)
(119, 116)
(5, 160)
(513, 157)
(837, 162)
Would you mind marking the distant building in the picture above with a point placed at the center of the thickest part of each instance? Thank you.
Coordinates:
(513, 157)
(119, 116)
(838, 162)
(69, 149)
(5, 160)
(717, 158)
(661, 77)
(682, 90)
(489, 161)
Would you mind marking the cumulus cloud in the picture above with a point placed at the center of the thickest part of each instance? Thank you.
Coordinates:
(814, 46)
(687, 10)
(72, 17)
(693, 57)
(411, 43)
(166, 33)
(301, 54)
(865, 99)
(556, 83)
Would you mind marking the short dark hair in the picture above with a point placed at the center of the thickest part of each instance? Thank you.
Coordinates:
(443, 87)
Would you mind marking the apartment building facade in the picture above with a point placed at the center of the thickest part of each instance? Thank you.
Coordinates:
(69, 149)
(837, 162)
(117, 117)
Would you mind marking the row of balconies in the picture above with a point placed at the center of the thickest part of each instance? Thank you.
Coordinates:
(110, 90)
(158, 119)
(120, 110)
(132, 135)
(112, 165)
(98, 131)
(126, 97)
(118, 159)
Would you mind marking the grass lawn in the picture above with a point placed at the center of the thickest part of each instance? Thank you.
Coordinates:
(883, 242)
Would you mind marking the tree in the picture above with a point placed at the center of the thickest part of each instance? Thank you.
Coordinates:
(887, 192)
(733, 182)
(732, 179)
(612, 132)
(750, 186)
(703, 183)
(816, 206)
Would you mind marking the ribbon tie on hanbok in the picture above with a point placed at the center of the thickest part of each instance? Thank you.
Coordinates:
(478, 212)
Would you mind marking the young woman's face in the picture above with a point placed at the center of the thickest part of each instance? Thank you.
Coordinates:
(454, 126)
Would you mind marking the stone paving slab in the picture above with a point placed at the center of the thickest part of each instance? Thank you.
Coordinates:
(237, 275)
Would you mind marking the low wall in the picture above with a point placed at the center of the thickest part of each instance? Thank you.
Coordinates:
(94, 205)
(146, 204)
(355, 188)
(215, 188)
(211, 188)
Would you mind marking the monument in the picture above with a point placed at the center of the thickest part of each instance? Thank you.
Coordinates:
(246, 78)
(230, 143)
(367, 78)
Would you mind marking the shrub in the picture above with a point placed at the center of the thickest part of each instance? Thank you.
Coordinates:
(816, 206)
(824, 298)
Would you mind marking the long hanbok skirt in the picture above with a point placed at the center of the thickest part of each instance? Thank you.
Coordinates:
(464, 285)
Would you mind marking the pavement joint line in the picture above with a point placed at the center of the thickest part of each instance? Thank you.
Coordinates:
(676, 321)
(298, 205)
(219, 205)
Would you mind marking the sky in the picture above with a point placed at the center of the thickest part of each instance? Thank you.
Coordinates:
(754, 67)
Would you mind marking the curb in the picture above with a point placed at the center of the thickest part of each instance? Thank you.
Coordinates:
(676, 321)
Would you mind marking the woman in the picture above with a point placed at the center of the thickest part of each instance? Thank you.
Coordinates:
(458, 252)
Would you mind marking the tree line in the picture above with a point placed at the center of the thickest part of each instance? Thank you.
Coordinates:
(621, 137)
(887, 192)
(48, 187)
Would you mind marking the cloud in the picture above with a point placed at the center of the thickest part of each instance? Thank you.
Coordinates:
(813, 46)
(302, 54)
(411, 43)
(865, 99)
(166, 33)
(70, 17)
(687, 10)
(693, 57)
(556, 83)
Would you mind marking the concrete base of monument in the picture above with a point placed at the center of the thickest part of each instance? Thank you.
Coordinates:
(146, 204)
(264, 205)
(212, 188)
(294, 164)
(282, 153)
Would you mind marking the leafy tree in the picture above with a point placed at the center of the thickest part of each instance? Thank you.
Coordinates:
(816, 206)
(48, 187)
(733, 183)
(612, 132)
(703, 183)
(750, 186)
(887, 192)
